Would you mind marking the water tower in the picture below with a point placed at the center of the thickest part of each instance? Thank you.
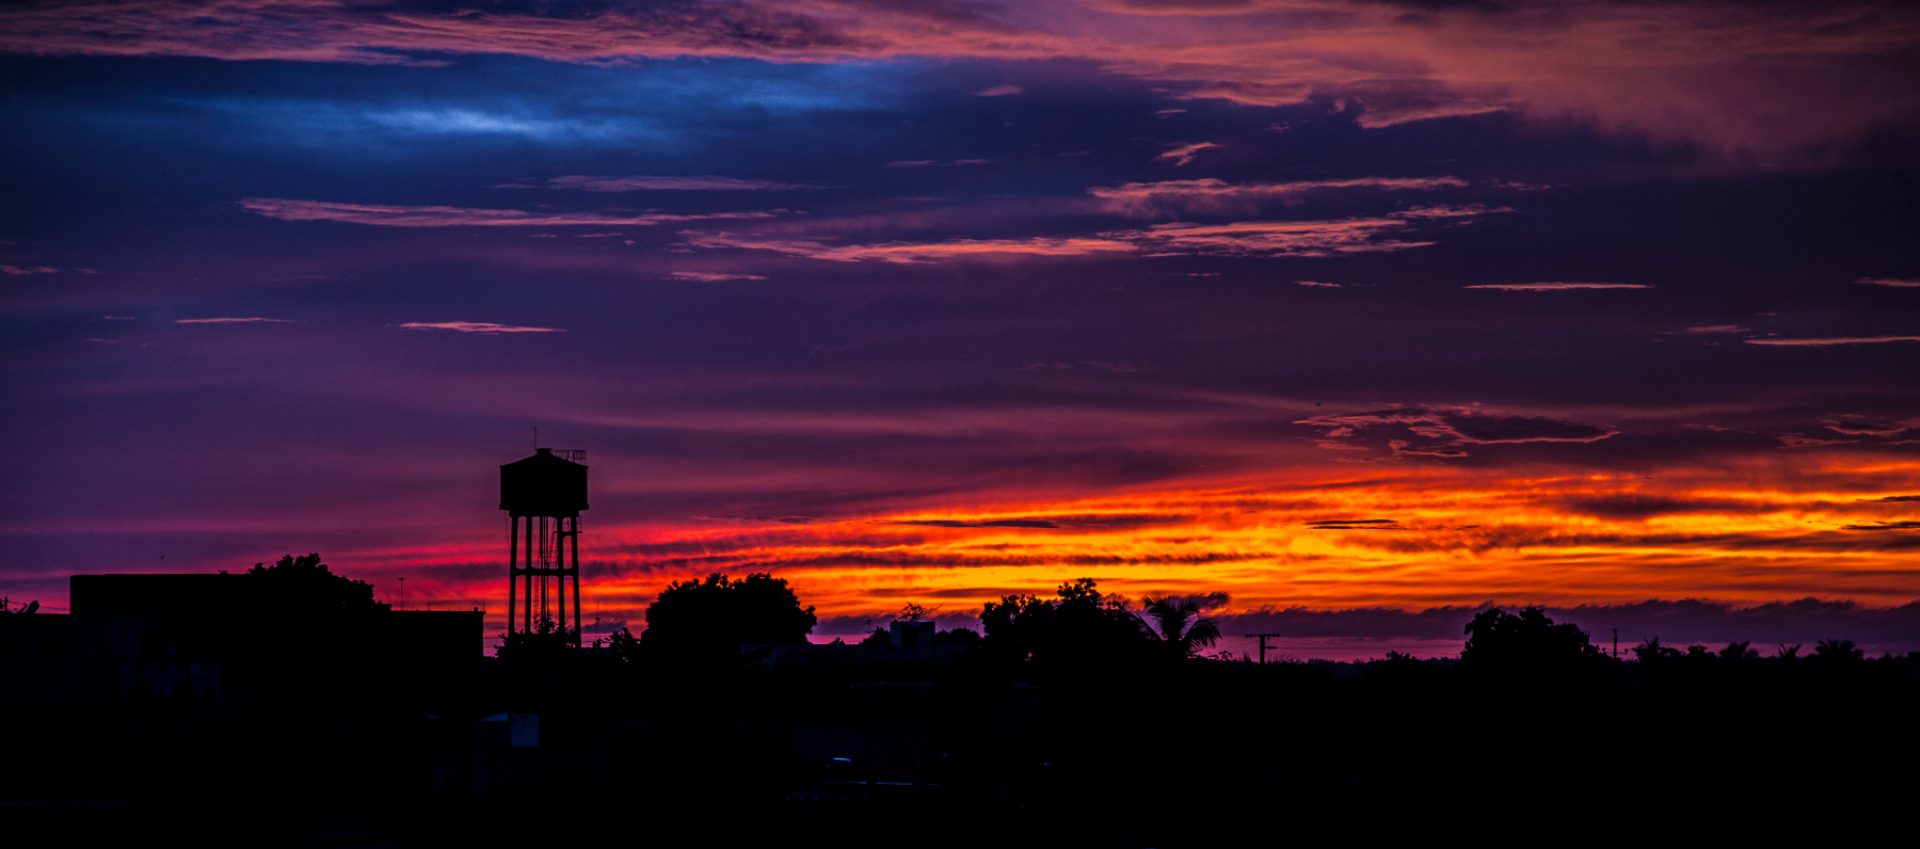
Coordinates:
(543, 496)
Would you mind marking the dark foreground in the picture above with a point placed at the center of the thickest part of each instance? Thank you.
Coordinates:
(841, 748)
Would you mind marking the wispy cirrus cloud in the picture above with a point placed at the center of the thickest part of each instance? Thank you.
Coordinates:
(1000, 91)
(1275, 238)
(1357, 525)
(1712, 329)
(713, 276)
(1393, 231)
(1446, 431)
(249, 319)
(482, 327)
(1889, 282)
(26, 270)
(1215, 195)
(1828, 341)
(936, 163)
(1184, 154)
(1556, 287)
(389, 215)
(1857, 426)
(914, 252)
(1324, 238)
(647, 183)
(1801, 440)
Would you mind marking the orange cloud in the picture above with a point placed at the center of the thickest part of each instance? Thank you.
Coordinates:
(1216, 195)
(1275, 238)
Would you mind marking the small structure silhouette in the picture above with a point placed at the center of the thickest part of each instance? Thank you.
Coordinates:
(543, 496)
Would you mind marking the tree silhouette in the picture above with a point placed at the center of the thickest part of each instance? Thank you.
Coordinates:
(1652, 651)
(28, 609)
(624, 645)
(547, 640)
(1837, 652)
(720, 614)
(1181, 624)
(1080, 625)
(305, 583)
(1527, 640)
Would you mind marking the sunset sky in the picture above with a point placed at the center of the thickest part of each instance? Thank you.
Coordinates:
(1359, 313)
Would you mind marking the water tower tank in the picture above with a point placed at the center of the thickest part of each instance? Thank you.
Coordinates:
(544, 484)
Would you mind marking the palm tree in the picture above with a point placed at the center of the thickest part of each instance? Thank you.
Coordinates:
(1180, 624)
(1738, 651)
(1837, 652)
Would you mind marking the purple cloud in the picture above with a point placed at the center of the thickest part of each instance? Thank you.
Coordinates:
(1558, 287)
(644, 183)
(386, 215)
(481, 327)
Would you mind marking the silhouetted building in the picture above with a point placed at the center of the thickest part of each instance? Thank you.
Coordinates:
(911, 634)
(219, 643)
(543, 495)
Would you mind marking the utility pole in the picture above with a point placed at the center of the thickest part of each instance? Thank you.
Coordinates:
(1263, 645)
(1616, 644)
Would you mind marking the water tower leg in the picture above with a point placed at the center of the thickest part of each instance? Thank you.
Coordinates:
(576, 580)
(528, 620)
(513, 568)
